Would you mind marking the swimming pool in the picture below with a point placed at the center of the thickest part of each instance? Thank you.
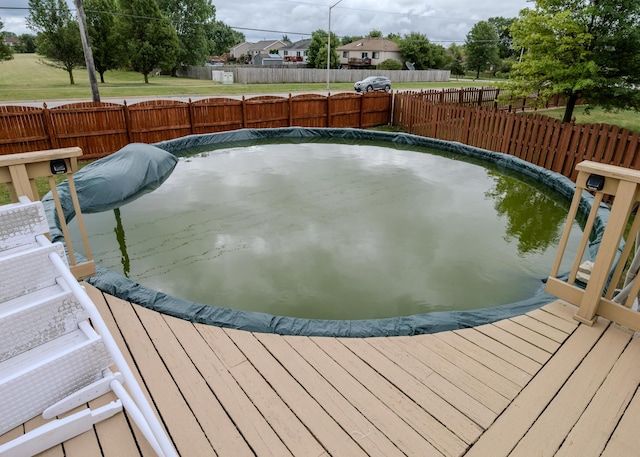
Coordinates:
(336, 234)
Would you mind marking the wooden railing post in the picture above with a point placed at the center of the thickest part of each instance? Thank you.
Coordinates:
(623, 185)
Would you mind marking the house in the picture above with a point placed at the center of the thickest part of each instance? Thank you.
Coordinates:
(264, 47)
(368, 52)
(241, 49)
(267, 59)
(11, 42)
(295, 52)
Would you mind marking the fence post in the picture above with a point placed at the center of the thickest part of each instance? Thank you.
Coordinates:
(480, 97)
(290, 110)
(329, 110)
(127, 121)
(191, 117)
(49, 127)
(244, 114)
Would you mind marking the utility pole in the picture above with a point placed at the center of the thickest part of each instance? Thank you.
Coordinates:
(329, 43)
(86, 48)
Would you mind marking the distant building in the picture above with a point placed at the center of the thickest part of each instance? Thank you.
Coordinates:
(12, 42)
(264, 47)
(295, 52)
(368, 52)
(267, 59)
(241, 49)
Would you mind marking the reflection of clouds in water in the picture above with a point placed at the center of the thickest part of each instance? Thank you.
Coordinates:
(303, 225)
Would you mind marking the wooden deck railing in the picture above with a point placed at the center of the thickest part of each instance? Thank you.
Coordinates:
(20, 171)
(599, 297)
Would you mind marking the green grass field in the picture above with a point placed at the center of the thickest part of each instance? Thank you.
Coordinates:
(627, 119)
(29, 77)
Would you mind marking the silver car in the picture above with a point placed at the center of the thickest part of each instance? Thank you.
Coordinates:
(373, 83)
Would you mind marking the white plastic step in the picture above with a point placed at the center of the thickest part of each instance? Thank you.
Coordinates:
(34, 319)
(21, 222)
(24, 271)
(36, 379)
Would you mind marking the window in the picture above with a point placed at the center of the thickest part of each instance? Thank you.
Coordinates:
(345, 54)
(375, 55)
(298, 54)
(365, 55)
(286, 53)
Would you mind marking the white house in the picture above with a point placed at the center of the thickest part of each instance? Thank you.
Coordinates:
(368, 52)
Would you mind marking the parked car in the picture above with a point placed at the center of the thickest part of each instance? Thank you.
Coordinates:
(373, 83)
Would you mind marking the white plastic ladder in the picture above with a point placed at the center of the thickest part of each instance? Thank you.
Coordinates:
(52, 359)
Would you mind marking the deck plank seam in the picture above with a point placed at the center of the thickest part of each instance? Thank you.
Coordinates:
(137, 311)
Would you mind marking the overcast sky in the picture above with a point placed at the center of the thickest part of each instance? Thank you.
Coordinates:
(442, 21)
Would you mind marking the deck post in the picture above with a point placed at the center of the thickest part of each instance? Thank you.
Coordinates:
(594, 298)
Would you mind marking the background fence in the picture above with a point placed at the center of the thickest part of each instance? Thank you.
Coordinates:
(103, 128)
(536, 138)
(290, 74)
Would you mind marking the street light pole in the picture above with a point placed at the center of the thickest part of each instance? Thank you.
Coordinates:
(329, 43)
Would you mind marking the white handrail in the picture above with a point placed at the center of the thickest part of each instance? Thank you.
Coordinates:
(154, 433)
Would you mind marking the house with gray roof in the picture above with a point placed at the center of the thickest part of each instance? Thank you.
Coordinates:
(265, 47)
(295, 52)
(367, 52)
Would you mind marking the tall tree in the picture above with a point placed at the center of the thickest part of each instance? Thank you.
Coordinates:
(6, 53)
(505, 41)
(151, 41)
(481, 46)
(190, 19)
(583, 49)
(317, 49)
(58, 33)
(103, 35)
(221, 38)
(416, 48)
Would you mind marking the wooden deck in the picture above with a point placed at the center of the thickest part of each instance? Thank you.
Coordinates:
(534, 385)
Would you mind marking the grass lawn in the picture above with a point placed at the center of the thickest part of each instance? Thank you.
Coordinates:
(628, 119)
(30, 77)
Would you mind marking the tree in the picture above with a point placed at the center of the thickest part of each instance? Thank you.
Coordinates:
(390, 64)
(317, 50)
(151, 41)
(583, 49)
(58, 33)
(417, 49)
(374, 34)
(103, 35)
(505, 41)
(481, 47)
(221, 38)
(190, 19)
(6, 53)
(456, 64)
(27, 43)
(350, 39)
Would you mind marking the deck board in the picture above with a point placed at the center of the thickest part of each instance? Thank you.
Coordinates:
(252, 426)
(539, 384)
(592, 432)
(557, 420)
(513, 424)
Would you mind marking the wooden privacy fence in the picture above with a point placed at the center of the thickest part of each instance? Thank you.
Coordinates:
(538, 139)
(100, 129)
